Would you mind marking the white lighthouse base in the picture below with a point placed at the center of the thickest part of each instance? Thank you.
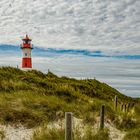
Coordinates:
(26, 69)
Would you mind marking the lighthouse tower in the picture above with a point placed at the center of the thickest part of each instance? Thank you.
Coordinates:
(26, 50)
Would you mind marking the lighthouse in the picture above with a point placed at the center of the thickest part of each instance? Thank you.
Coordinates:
(26, 47)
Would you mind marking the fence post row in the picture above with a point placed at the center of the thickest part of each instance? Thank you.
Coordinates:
(68, 126)
(124, 107)
(68, 117)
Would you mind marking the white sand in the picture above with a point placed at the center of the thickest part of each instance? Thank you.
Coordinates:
(16, 133)
(22, 133)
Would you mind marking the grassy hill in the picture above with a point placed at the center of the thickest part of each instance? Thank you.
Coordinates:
(33, 99)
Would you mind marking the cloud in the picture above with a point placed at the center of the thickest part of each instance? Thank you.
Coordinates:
(73, 24)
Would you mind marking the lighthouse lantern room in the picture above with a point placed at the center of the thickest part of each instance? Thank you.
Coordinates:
(26, 50)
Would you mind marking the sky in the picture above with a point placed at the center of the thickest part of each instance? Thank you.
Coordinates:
(76, 38)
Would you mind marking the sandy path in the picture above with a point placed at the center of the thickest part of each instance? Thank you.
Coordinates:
(16, 133)
(22, 133)
(115, 134)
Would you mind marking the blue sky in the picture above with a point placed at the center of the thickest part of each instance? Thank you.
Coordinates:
(77, 38)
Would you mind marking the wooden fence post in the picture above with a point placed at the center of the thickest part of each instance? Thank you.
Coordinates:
(132, 105)
(102, 116)
(129, 105)
(68, 126)
(116, 103)
(125, 108)
(122, 107)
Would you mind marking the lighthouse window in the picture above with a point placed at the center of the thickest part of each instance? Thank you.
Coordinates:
(25, 54)
(26, 41)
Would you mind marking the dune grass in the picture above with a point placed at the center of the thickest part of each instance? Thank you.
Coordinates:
(32, 98)
(59, 134)
(133, 135)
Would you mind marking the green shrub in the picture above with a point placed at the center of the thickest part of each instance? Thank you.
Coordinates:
(49, 134)
(44, 133)
(2, 134)
(125, 122)
(100, 135)
(133, 135)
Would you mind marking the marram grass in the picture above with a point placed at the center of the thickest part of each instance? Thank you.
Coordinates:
(33, 98)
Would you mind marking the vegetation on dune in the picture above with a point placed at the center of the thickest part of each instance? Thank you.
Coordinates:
(32, 98)
(133, 135)
(59, 134)
(49, 134)
(2, 134)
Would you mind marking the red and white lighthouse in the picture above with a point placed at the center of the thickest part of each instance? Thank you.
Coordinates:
(26, 50)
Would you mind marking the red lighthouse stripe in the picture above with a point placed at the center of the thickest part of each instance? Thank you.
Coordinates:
(26, 46)
(26, 63)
